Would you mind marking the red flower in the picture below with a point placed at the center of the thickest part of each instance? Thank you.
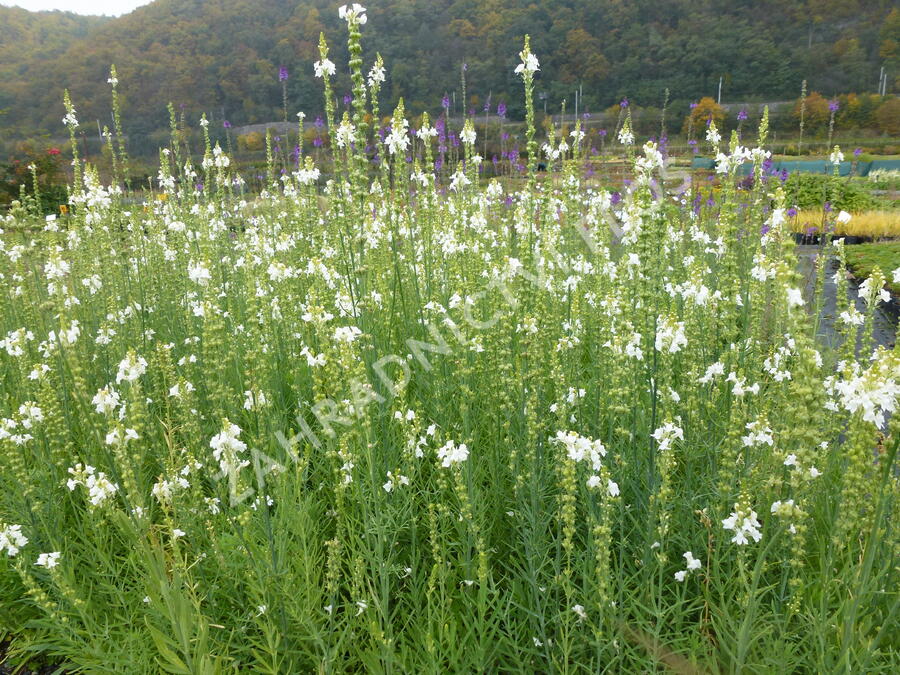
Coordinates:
(53, 151)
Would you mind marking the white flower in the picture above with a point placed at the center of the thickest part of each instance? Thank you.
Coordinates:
(11, 539)
(345, 131)
(612, 488)
(48, 560)
(795, 298)
(467, 135)
(692, 562)
(529, 64)
(426, 132)
(398, 140)
(116, 437)
(852, 317)
(873, 392)
(106, 400)
(626, 137)
(227, 448)
(254, 401)
(869, 292)
(666, 435)
(451, 453)
(680, 575)
(346, 334)
(713, 370)
(131, 368)
(743, 526)
(670, 335)
(782, 508)
(843, 217)
(354, 12)
(579, 612)
(199, 273)
(759, 434)
(324, 67)
(712, 134)
(376, 75)
(99, 487)
(459, 180)
(633, 348)
(836, 156)
(896, 274)
(581, 448)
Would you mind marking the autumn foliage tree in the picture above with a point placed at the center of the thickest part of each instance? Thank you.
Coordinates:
(701, 113)
(815, 113)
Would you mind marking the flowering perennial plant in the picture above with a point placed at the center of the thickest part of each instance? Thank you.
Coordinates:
(400, 419)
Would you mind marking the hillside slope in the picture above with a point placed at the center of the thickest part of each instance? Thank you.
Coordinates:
(222, 56)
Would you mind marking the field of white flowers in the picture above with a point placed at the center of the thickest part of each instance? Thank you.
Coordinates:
(408, 423)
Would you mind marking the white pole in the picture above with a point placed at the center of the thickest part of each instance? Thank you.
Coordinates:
(720, 90)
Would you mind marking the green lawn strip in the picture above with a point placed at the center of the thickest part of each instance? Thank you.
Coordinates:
(863, 258)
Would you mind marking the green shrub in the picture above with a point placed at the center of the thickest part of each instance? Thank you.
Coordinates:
(811, 191)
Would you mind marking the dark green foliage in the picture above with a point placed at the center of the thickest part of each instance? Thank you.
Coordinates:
(810, 191)
(222, 56)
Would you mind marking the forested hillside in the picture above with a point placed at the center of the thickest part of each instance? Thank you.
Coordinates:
(223, 56)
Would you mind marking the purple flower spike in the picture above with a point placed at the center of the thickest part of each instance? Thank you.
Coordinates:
(742, 115)
(226, 124)
(445, 102)
(501, 109)
(282, 74)
(624, 103)
(834, 106)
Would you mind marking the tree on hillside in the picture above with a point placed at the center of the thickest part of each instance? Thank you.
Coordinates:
(705, 110)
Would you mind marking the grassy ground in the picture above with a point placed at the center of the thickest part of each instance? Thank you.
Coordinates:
(863, 258)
